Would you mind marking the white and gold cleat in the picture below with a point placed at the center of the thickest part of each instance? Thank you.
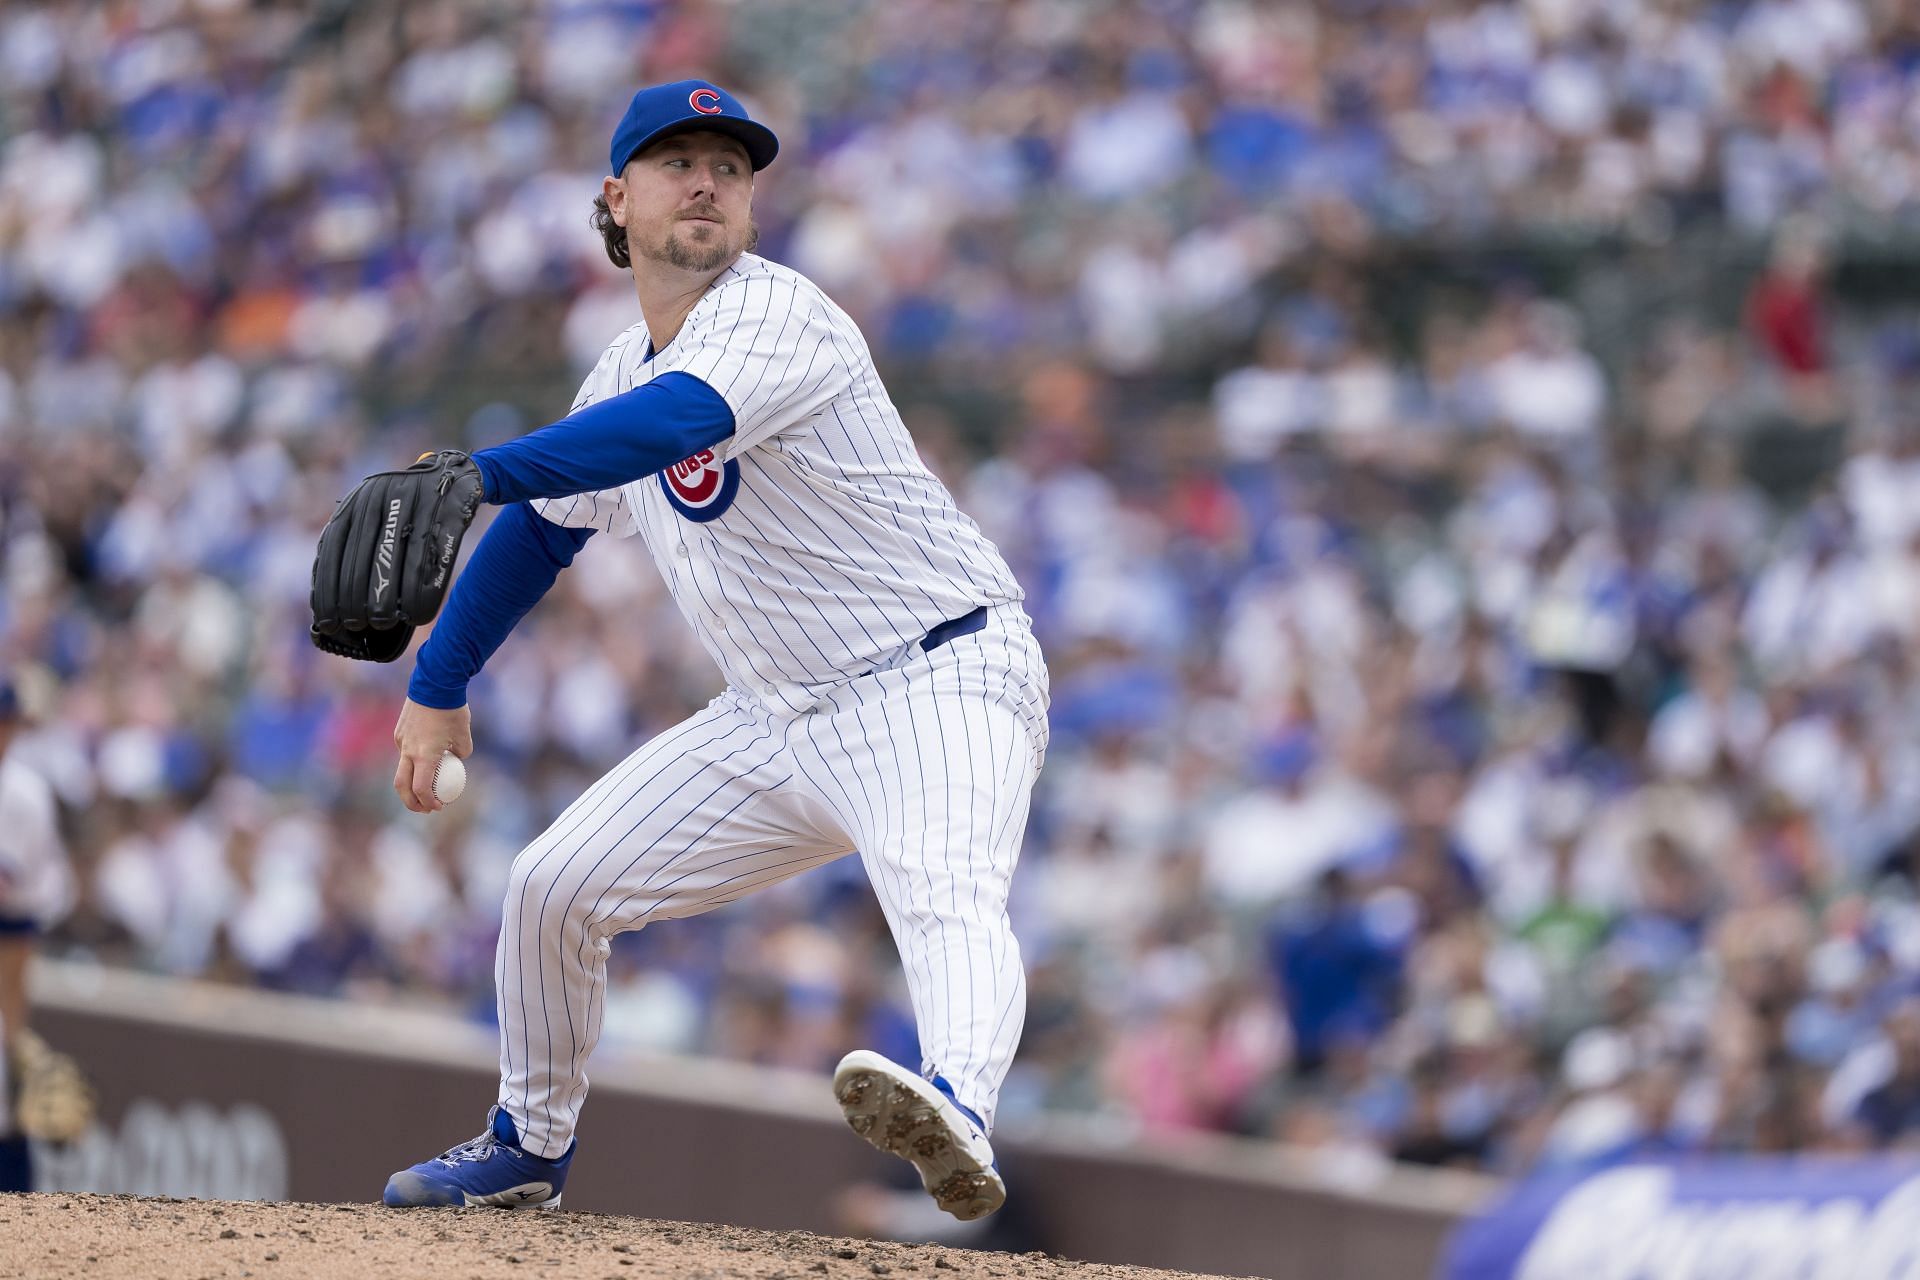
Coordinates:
(906, 1116)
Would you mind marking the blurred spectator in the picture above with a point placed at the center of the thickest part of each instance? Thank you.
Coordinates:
(1339, 976)
(1890, 1113)
(1546, 385)
(1784, 311)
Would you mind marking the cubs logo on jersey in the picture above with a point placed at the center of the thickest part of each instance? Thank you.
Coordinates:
(702, 487)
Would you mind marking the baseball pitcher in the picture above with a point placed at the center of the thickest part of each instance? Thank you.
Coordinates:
(884, 694)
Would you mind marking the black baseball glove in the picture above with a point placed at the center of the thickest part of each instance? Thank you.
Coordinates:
(387, 555)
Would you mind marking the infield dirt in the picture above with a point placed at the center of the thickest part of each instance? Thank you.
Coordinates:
(61, 1235)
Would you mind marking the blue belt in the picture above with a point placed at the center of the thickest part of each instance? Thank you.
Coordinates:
(953, 628)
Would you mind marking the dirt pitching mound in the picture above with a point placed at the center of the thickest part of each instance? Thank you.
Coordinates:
(141, 1238)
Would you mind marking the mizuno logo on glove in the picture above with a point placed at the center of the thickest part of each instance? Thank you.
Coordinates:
(384, 563)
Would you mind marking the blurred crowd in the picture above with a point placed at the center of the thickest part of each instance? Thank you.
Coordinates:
(1458, 757)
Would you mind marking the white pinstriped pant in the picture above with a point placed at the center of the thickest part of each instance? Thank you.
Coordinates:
(924, 765)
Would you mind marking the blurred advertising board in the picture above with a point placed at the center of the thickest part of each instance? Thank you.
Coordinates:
(1721, 1218)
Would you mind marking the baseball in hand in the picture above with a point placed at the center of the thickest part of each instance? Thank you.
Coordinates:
(450, 779)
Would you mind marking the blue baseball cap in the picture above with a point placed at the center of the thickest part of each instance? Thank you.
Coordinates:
(683, 107)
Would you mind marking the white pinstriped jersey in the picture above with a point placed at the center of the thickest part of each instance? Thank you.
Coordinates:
(814, 541)
(36, 885)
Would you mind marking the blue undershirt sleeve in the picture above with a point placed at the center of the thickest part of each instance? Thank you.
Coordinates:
(610, 443)
(601, 446)
(512, 568)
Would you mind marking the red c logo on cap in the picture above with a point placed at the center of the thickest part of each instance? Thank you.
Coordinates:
(694, 101)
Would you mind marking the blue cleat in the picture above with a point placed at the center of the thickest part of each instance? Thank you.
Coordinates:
(490, 1170)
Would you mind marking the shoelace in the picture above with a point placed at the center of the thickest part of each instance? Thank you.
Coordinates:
(477, 1149)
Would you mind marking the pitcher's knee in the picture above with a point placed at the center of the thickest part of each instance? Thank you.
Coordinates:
(533, 877)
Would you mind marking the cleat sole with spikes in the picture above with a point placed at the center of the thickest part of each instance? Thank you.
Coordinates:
(904, 1116)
